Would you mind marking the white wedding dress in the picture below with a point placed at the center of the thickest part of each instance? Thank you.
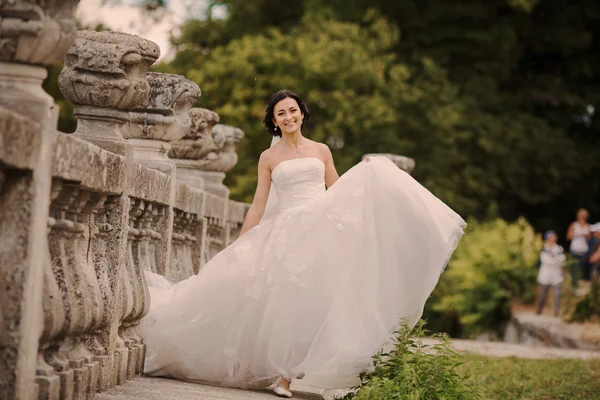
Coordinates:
(315, 288)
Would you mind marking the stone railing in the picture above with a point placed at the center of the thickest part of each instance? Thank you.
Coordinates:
(404, 163)
(82, 216)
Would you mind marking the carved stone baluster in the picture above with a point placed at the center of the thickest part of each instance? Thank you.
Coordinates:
(141, 247)
(63, 242)
(99, 343)
(215, 213)
(72, 263)
(159, 215)
(235, 218)
(191, 241)
(134, 293)
(177, 268)
(187, 231)
(105, 76)
(142, 250)
(53, 383)
(196, 230)
(93, 252)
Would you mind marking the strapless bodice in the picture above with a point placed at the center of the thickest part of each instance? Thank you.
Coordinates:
(298, 181)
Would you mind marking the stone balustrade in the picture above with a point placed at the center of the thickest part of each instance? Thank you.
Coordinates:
(137, 188)
(83, 216)
(235, 218)
(404, 163)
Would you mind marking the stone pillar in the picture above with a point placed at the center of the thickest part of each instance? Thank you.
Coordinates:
(105, 76)
(164, 118)
(194, 146)
(404, 163)
(217, 163)
(203, 164)
(32, 34)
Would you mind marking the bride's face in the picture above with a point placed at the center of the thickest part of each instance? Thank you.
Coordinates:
(287, 116)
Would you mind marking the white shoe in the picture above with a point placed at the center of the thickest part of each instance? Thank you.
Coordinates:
(281, 392)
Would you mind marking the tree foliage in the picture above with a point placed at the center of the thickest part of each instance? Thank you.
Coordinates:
(495, 263)
(501, 90)
(495, 100)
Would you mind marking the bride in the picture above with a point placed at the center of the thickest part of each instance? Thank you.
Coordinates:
(318, 279)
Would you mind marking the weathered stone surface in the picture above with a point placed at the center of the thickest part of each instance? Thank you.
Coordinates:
(25, 154)
(189, 199)
(188, 220)
(108, 69)
(36, 32)
(198, 142)
(235, 219)
(208, 172)
(215, 217)
(224, 158)
(542, 330)
(404, 163)
(21, 91)
(161, 389)
(20, 140)
(166, 113)
(164, 118)
(148, 184)
(69, 241)
(104, 76)
(92, 167)
(500, 349)
(18, 338)
(82, 223)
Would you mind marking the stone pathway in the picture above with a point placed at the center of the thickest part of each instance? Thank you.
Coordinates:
(501, 349)
(168, 389)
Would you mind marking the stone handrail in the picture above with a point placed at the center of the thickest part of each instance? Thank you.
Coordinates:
(137, 187)
(82, 216)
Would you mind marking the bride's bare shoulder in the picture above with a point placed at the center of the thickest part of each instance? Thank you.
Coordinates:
(266, 158)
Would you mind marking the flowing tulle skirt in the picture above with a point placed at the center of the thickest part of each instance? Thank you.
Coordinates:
(317, 290)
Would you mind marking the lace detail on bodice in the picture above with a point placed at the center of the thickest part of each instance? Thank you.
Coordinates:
(298, 181)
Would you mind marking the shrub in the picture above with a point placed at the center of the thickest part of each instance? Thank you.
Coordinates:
(495, 263)
(415, 371)
(589, 306)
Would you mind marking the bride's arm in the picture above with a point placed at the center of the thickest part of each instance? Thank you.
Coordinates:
(331, 174)
(257, 208)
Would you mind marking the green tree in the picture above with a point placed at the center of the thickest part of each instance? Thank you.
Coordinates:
(524, 71)
(358, 91)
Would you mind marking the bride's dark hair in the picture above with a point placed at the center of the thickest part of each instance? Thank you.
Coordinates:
(276, 98)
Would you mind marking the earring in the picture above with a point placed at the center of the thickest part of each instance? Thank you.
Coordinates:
(275, 129)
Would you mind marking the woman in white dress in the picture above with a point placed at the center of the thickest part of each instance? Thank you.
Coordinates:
(550, 275)
(318, 279)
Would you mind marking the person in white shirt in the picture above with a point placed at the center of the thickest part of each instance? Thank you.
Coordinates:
(552, 259)
(579, 235)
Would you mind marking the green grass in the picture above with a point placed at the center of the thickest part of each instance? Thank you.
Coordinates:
(512, 378)
(414, 371)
